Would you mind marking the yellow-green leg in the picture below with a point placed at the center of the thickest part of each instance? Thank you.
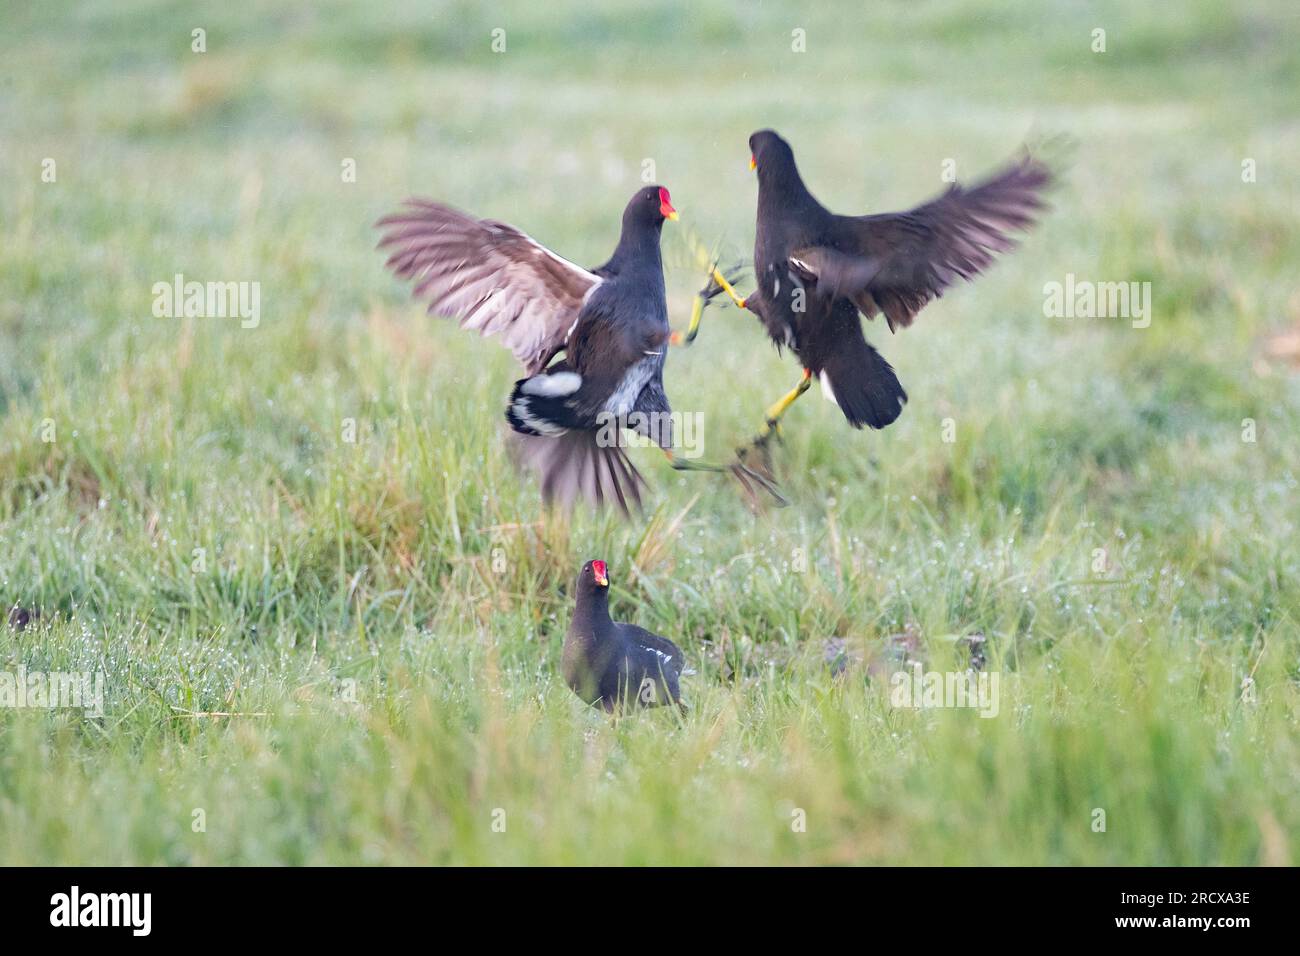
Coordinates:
(692, 330)
(772, 424)
(716, 275)
(701, 299)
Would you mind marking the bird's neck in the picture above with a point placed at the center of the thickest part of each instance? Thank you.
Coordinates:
(781, 190)
(590, 612)
(638, 248)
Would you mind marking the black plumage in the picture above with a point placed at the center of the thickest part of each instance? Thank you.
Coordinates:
(611, 665)
(610, 323)
(816, 271)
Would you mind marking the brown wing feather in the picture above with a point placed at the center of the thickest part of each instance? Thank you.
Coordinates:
(904, 260)
(488, 276)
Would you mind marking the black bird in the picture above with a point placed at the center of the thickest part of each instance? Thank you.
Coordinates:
(20, 617)
(610, 322)
(611, 665)
(816, 271)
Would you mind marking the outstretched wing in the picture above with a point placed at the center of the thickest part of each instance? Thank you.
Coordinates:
(488, 276)
(897, 262)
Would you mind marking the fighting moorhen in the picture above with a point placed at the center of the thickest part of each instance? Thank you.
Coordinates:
(816, 271)
(610, 322)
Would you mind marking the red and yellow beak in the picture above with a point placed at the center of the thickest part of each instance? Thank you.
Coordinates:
(753, 163)
(598, 569)
(666, 205)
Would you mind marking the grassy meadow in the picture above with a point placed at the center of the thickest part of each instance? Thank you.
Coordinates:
(324, 651)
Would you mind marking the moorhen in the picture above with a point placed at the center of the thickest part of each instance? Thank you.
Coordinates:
(611, 665)
(610, 322)
(816, 271)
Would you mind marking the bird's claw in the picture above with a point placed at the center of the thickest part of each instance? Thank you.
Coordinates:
(719, 282)
(758, 445)
(711, 287)
(754, 462)
(751, 480)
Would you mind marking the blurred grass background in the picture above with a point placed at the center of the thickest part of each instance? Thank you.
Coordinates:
(387, 615)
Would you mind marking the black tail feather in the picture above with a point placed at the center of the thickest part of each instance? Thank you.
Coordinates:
(864, 385)
(570, 458)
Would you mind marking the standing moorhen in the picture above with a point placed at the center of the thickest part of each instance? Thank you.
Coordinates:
(611, 665)
(610, 322)
(815, 271)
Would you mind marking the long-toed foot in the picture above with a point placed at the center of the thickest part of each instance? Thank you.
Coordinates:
(716, 282)
(720, 283)
(756, 455)
(751, 482)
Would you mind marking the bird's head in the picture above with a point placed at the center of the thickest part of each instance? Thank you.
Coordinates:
(595, 572)
(652, 205)
(768, 151)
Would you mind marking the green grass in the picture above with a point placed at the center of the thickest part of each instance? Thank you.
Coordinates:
(386, 616)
